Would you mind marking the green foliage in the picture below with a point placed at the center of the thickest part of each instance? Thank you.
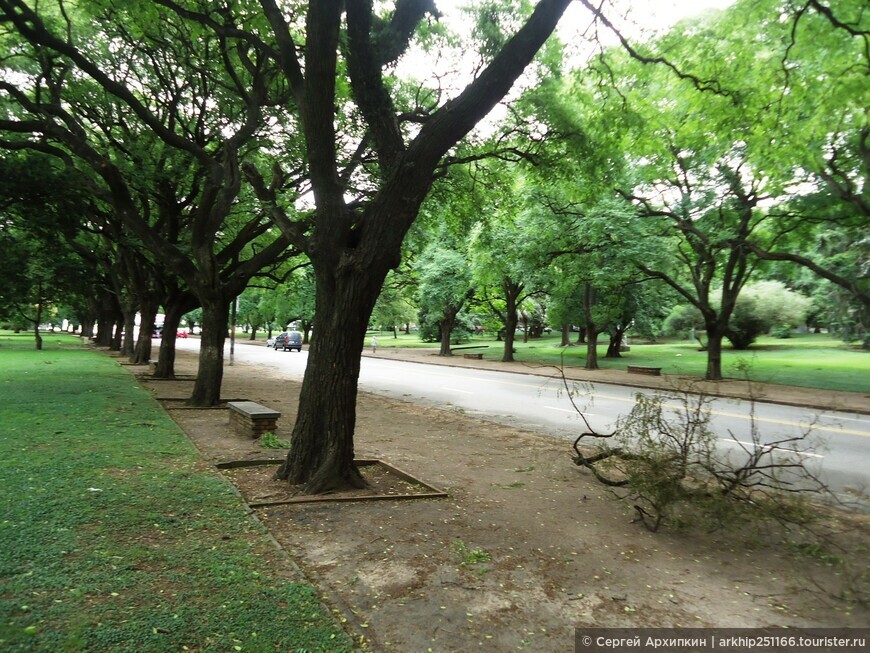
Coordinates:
(666, 462)
(494, 22)
(445, 285)
(664, 453)
(763, 306)
(271, 441)
(468, 557)
(115, 537)
(395, 304)
(40, 268)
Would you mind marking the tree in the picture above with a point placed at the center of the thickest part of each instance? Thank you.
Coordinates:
(369, 174)
(368, 166)
(504, 259)
(445, 286)
(814, 70)
(39, 264)
(688, 175)
(393, 307)
(161, 113)
(761, 307)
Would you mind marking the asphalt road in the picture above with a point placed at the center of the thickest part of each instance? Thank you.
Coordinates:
(838, 447)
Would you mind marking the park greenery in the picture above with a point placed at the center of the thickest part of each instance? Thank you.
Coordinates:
(129, 543)
(276, 162)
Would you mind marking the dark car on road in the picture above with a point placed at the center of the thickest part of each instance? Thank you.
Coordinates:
(289, 340)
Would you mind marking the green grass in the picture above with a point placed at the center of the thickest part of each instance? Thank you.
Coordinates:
(807, 360)
(115, 537)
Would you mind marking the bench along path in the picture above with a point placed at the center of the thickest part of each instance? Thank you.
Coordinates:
(252, 419)
(475, 356)
(640, 369)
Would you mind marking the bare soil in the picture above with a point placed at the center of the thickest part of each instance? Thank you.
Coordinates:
(526, 547)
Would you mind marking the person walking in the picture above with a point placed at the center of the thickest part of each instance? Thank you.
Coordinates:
(374, 345)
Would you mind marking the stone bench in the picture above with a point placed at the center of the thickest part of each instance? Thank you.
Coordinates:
(252, 419)
(649, 371)
(474, 356)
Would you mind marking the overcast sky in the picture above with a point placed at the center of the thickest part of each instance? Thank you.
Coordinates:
(649, 13)
(634, 19)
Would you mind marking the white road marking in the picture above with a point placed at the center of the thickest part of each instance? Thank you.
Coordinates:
(467, 392)
(568, 410)
(769, 447)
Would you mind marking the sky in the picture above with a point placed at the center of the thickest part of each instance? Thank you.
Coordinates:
(634, 19)
(650, 13)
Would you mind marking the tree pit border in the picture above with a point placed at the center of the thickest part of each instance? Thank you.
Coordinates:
(431, 493)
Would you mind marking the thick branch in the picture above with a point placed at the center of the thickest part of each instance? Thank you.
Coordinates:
(825, 273)
(710, 85)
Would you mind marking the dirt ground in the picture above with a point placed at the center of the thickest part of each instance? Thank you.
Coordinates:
(525, 547)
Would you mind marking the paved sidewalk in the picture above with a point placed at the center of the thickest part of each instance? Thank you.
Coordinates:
(852, 402)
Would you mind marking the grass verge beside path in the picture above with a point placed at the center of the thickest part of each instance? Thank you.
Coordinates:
(806, 360)
(113, 537)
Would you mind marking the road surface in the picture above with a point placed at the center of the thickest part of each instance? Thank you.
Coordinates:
(840, 442)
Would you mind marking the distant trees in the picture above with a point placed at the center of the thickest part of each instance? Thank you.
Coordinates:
(762, 307)
(39, 267)
(444, 288)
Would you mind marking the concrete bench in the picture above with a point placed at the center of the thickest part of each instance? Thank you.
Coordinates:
(474, 356)
(252, 419)
(649, 371)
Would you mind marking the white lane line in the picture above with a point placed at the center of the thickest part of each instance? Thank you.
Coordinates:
(466, 392)
(568, 410)
(768, 447)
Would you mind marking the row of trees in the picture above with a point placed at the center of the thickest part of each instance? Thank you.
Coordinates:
(217, 143)
(188, 151)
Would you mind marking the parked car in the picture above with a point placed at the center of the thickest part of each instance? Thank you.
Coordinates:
(270, 342)
(289, 340)
(181, 333)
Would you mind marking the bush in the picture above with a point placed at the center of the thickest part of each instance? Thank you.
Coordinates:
(765, 306)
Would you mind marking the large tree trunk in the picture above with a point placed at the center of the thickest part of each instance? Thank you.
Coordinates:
(511, 292)
(566, 335)
(352, 249)
(166, 357)
(142, 352)
(321, 455)
(109, 315)
(215, 320)
(714, 353)
(118, 336)
(591, 347)
(590, 329)
(175, 305)
(446, 328)
(129, 325)
(509, 332)
(36, 337)
(614, 347)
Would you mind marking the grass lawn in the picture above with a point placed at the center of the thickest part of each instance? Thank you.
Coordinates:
(114, 537)
(808, 360)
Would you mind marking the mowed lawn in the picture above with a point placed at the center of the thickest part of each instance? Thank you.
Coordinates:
(807, 360)
(114, 537)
